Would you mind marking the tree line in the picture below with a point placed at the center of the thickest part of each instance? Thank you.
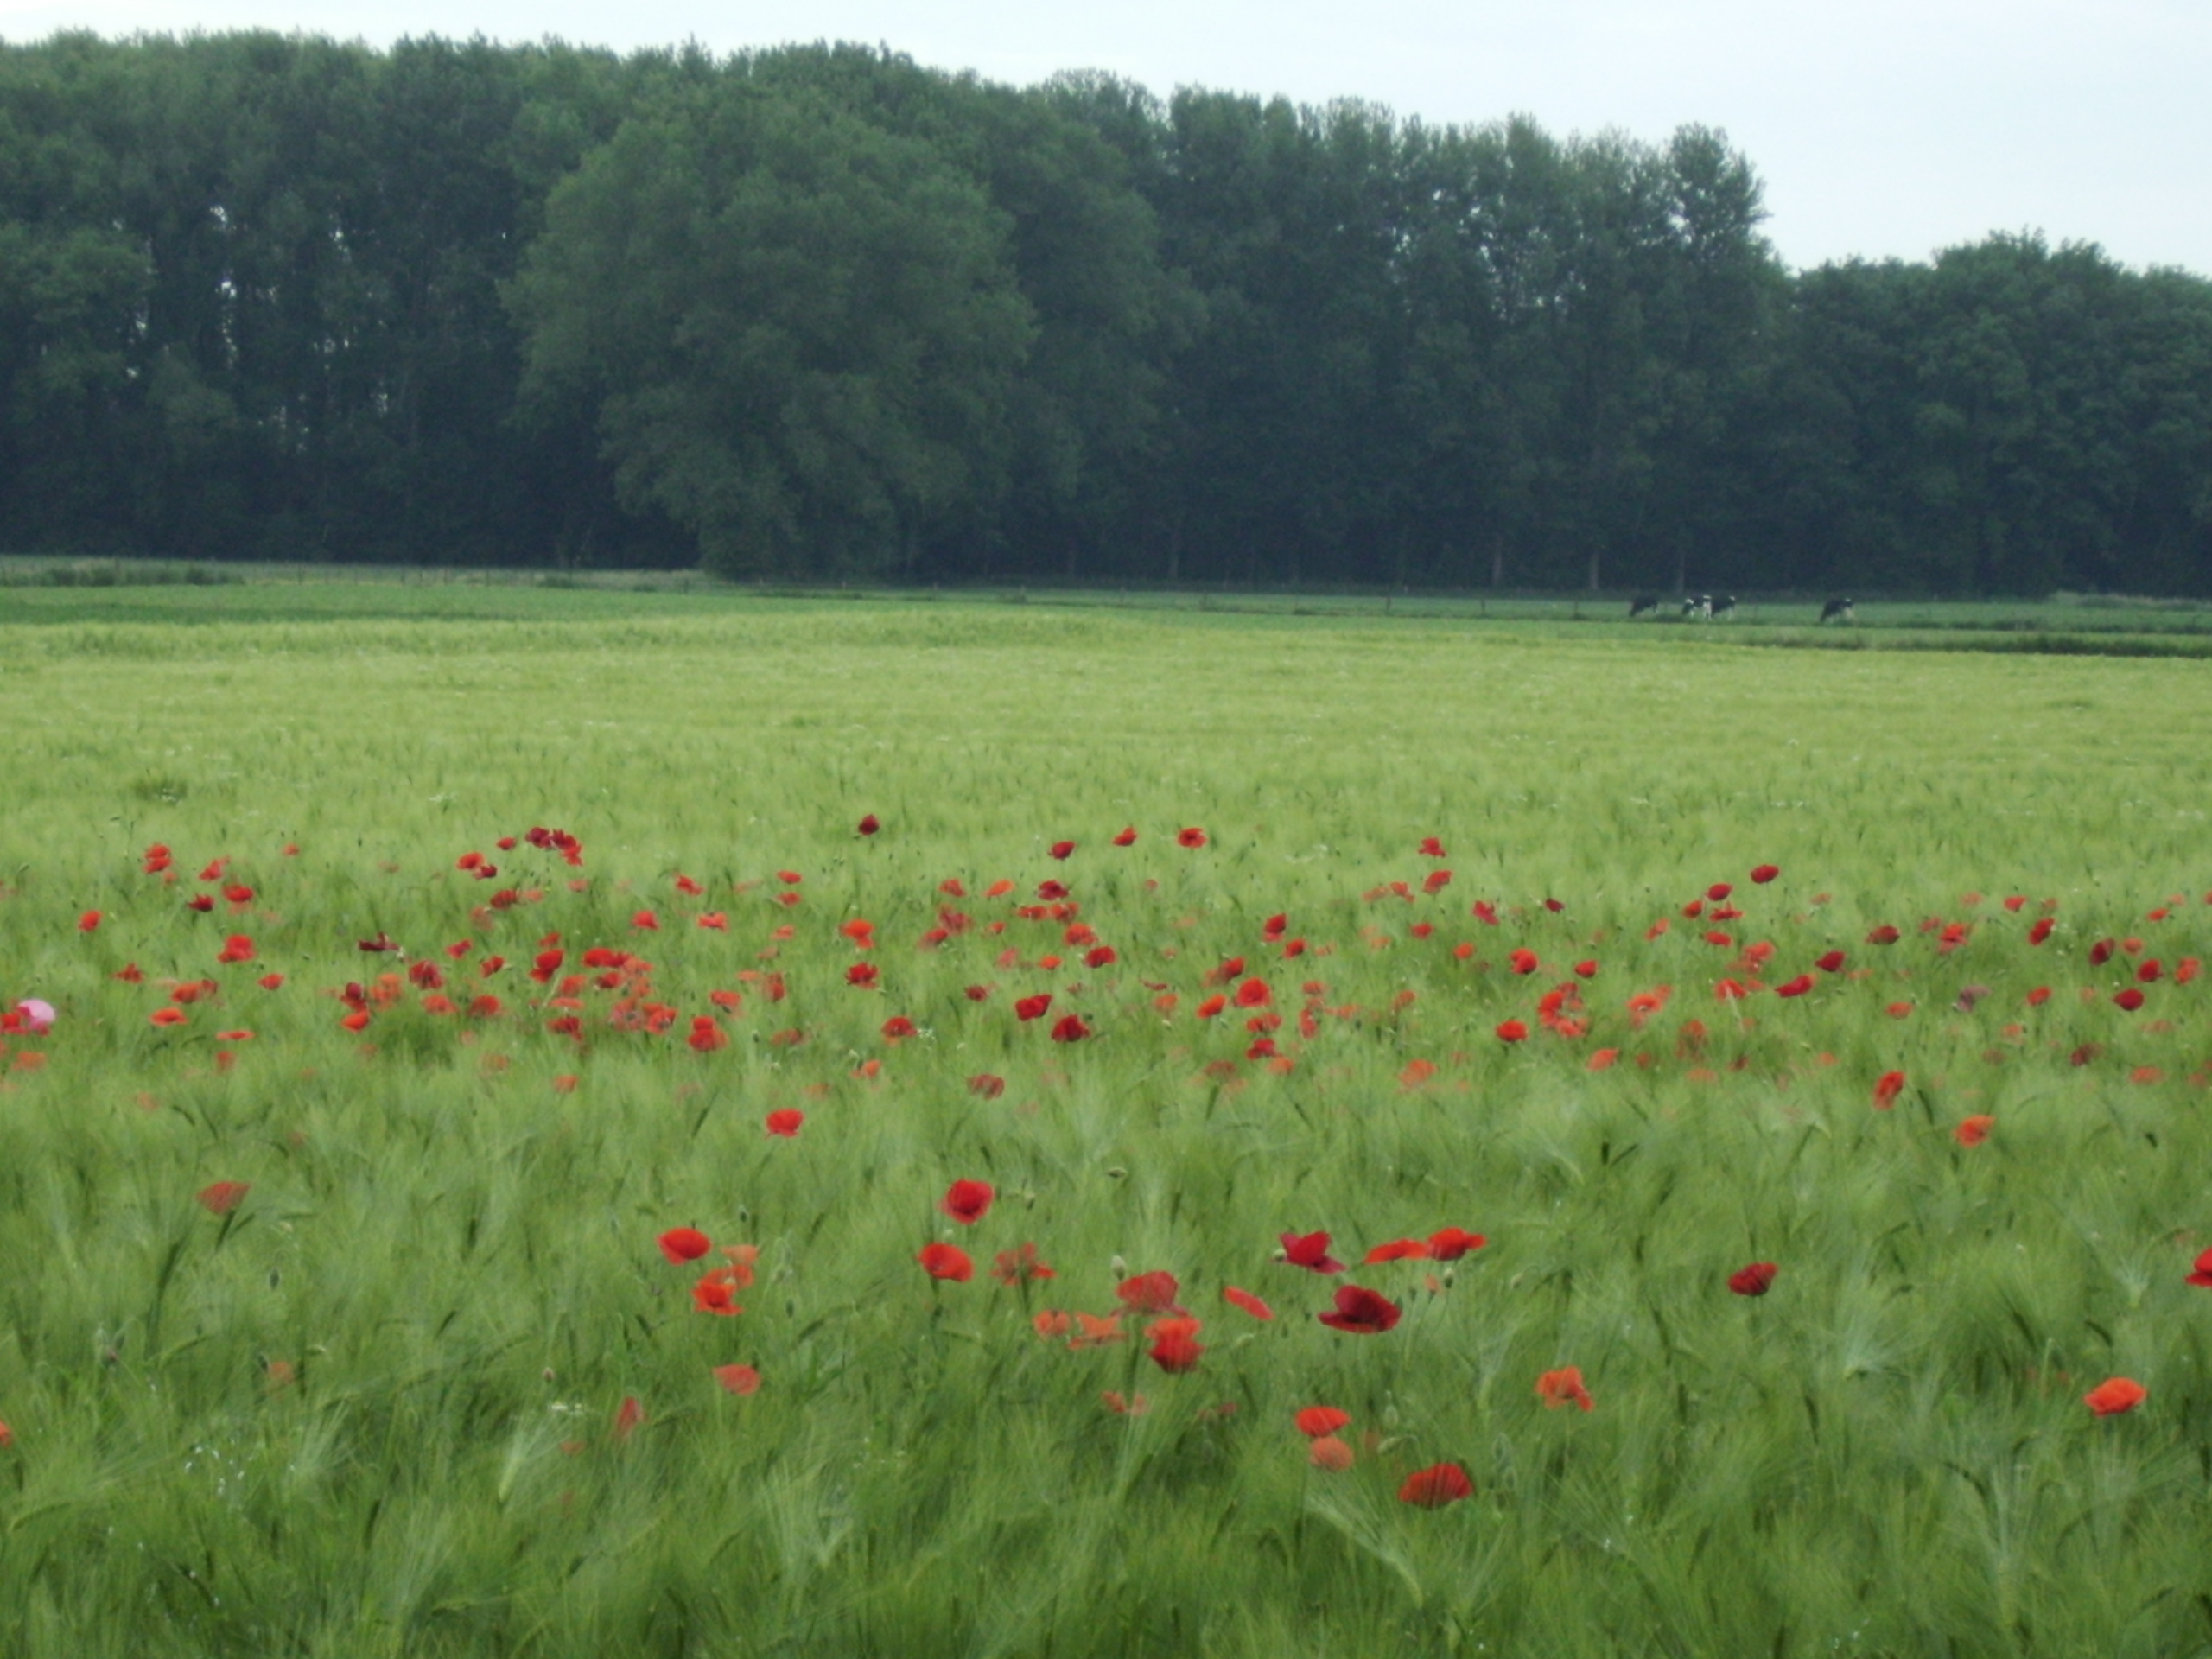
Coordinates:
(824, 314)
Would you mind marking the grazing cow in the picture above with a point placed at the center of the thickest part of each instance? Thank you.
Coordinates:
(1697, 608)
(1837, 610)
(1724, 608)
(1643, 605)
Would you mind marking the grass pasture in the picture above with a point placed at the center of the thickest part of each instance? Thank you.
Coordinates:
(377, 1405)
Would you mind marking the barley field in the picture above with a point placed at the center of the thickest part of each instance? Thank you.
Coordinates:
(578, 1123)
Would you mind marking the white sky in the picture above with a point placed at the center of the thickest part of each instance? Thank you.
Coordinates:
(1881, 127)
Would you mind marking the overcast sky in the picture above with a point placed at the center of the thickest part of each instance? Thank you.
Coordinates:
(1881, 127)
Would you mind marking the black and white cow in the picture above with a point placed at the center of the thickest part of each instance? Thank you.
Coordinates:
(1643, 605)
(1697, 608)
(1724, 608)
(1837, 610)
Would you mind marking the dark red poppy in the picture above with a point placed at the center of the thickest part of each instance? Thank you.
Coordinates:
(1763, 874)
(1831, 963)
(1432, 847)
(870, 824)
(1435, 1486)
(682, 1244)
(1586, 969)
(1149, 1293)
(946, 1262)
(1192, 837)
(1311, 1251)
(1062, 849)
(968, 1202)
(2203, 1275)
(1883, 935)
(1032, 1007)
(898, 1028)
(1361, 1311)
(1887, 1088)
(1071, 1029)
(1719, 890)
(1753, 1281)
(1127, 837)
(1796, 987)
(2041, 930)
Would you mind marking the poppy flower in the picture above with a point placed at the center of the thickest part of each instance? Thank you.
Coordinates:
(2041, 930)
(1435, 1486)
(1361, 1312)
(1314, 1421)
(738, 1379)
(1398, 1250)
(862, 976)
(2129, 1000)
(1254, 993)
(1753, 1281)
(1096, 1329)
(7, 1437)
(898, 1028)
(1563, 1387)
(986, 1085)
(1032, 1007)
(706, 1036)
(201, 902)
(1014, 1267)
(968, 1202)
(1524, 962)
(1327, 1452)
(166, 1016)
(1452, 1242)
(1062, 849)
(1883, 935)
(1051, 1323)
(946, 1262)
(868, 824)
(2115, 1395)
(1071, 1029)
(2203, 1275)
(1309, 1250)
(1175, 1347)
(1127, 837)
(717, 1294)
(1585, 970)
(1121, 1408)
(1796, 987)
(682, 1244)
(221, 1198)
(1253, 1305)
(1887, 1088)
(1763, 874)
(1149, 1293)
(1192, 837)
(627, 1416)
(1512, 1031)
(89, 922)
(1973, 1131)
(786, 1122)
(1212, 1006)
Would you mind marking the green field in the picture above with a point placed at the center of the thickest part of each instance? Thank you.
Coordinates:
(377, 1405)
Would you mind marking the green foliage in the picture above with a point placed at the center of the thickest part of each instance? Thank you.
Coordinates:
(372, 1409)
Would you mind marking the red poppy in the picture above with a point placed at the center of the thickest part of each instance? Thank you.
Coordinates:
(2115, 1395)
(1071, 1029)
(221, 1198)
(1887, 1088)
(1127, 837)
(898, 1028)
(1032, 1007)
(1309, 1250)
(870, 824)
(1524, 962)
(1192, 837)
(7, 1437)
(968, 1202)
(2041, 930)
(2129, 1000)
(706, 1036)
(1314, 1421)
(1512, 1031)
(1763, 874)
(1246, 1300)
(166, 1016)
(986, 1085)
(1973, 1131)
(1796, 987)
(1175, 1347)
(1149, 1293)
(1435, 1486)
(1586, 969)
(1361, 1312)
(1564, 1387)
(682, 1244)
(717, 1293)
(627, 1416)
(1062, 848)
(1121, 1408)
(89, 921)
(1753, 1281)
(1452, 1242)
(1327, 1452)
(946, 1262)
(1883, 935)
(1398, 1250)
(1254, 993)
(199, 901)
(2203, 1275)
(738, 1379)
(1016, 1266)
(1096, 1329)
(786, 1122)
(862, 976)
